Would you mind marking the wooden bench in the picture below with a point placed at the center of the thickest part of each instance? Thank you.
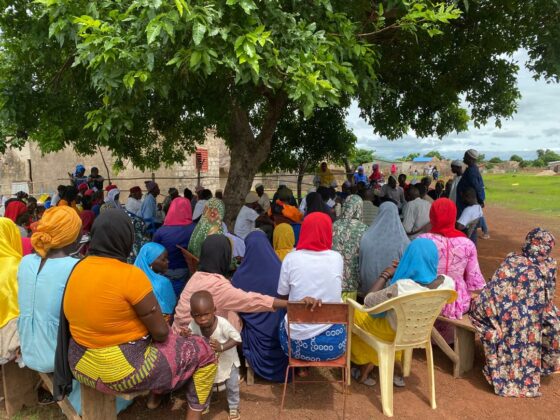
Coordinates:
(462, 355)
(19, 388)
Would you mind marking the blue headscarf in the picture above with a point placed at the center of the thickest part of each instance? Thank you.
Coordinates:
(419, 262)
(163, 290)
(79, 168)
(259, 272)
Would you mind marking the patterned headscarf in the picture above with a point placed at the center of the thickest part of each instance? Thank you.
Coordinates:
(210, 224)
(347, 234)
(538, 245)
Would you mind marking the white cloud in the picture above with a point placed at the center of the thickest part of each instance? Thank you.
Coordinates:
(534, 126)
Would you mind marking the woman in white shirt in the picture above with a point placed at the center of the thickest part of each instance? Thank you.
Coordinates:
(416, 272)
(314, 270)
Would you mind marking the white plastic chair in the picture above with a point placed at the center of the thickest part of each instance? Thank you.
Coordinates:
(415, 314)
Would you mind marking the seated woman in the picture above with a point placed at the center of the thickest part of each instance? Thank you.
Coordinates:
(42, 278)
(152, 260)
(210, 223)
(382, 243)
(458, 259)
(284, 240)
(517, 321)
(259, 272)
(213, 269)
(313, 270)
(177, 229)
(10, 256)
(416, 272)
(120, 342)
(347, 234)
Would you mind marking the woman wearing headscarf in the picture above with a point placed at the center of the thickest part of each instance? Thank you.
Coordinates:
(153, 261)
(212, 275)
(177, 229)
(382, 243)
(210, 224)
(458, 258)
(45, 274)
(417, 271)
(376, 176)
(347, 234)
(283, 240)
(10, 257)
(315, 270)
(517, 321)
(115, 320)
(259, 272)
(112, 200)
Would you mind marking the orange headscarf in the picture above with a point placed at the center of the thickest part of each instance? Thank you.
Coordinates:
(59, 227)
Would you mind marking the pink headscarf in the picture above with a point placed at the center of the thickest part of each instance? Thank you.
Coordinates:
(179, 214)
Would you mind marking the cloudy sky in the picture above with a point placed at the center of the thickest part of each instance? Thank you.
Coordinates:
(536, 125)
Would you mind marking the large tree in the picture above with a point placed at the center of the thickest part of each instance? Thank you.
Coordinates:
(300, 144)
(148, 78)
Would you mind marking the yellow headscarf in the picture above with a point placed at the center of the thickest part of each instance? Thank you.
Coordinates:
(283, 240)
(59, 227)
(10, 255)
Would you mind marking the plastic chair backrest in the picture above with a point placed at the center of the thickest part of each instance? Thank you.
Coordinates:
(327, 313)
(415, 314)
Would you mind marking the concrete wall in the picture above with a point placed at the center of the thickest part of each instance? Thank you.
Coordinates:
(50, 170)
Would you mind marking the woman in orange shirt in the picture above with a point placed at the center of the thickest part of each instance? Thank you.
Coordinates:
(120, 342)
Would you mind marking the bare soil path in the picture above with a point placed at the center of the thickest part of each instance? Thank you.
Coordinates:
(467, 398)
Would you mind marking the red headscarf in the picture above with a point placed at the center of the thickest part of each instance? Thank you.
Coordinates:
(316, 233)
(14, 210)
(179, 214)
(443, 215)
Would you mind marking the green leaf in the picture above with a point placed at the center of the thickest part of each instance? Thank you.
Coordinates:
(196, 56)
(153, 30)
(199, 29)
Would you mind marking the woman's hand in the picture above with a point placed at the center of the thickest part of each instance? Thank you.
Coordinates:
(311, 303)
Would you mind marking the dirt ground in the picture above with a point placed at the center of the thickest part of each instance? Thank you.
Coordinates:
(467, 398)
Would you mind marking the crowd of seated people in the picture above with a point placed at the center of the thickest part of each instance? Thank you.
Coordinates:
(126, 314)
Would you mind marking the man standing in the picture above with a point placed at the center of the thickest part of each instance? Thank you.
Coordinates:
(264, 200)
(457, 169)
(148, 211)
(173, 193)
(470, 179)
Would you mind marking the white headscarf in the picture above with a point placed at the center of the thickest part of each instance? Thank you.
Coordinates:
(110, 199)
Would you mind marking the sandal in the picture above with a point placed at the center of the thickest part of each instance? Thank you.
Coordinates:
(369, 381)
(398, 381)
(234, 414)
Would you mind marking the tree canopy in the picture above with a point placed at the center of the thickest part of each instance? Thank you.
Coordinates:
(148, 78)
(436, 154)
(360, 156)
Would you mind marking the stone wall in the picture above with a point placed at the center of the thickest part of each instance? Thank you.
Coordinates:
(50, 170)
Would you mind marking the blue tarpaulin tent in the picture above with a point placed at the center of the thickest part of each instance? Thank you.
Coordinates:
(422, 159)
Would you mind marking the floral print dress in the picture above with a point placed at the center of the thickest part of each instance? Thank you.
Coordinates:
(347, 234)
(517, 321)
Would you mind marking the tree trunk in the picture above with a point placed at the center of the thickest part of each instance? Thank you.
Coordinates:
(301, 173)
(248, 152)
(349, 170)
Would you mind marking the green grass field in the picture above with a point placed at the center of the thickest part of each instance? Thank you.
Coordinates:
(525, 192)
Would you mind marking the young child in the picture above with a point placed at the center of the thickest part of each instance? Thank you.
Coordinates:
(223, 340)
(472, 212)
